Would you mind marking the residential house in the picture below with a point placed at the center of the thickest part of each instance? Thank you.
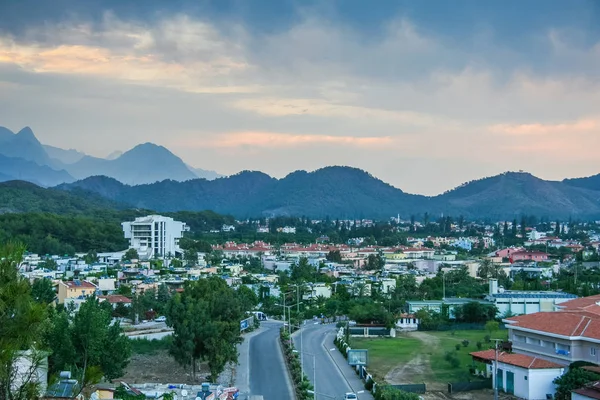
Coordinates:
(507, 252)
(407, 322)
(526, 255)
(317, 290)
(561, 337)
(524, 376)
(115, 299)
(75, 289)
(588, 392)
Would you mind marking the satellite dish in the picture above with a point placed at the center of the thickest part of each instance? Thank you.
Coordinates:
(184, 393)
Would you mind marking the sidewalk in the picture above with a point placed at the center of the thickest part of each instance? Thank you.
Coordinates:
(347, 371)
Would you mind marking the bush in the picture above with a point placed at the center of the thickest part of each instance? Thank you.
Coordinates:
(479, 345)
(369, 384)
(457, 346)
(487, 338)
(452, 359)
(465, 343)
(390, 393)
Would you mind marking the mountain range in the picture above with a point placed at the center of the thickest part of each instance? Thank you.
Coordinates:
(345, 192)
(151, 177)
(23, 157)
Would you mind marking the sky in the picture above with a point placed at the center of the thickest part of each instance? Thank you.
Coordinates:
(424, 94)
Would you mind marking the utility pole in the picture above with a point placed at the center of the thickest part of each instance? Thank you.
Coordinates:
(496, 367)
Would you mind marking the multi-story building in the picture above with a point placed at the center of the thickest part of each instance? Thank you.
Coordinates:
(544, 344)
(75, 292)
(154, 235)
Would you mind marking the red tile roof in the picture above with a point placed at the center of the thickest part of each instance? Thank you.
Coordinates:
(518, 360)
(81, 284)
(562, 323)
(592, 390)
(116, 298)
(581, 303)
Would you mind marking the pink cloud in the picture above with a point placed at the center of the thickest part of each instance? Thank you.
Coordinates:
(537, 129)
(279, 140)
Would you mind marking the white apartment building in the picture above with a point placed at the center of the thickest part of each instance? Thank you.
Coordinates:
(154, 235)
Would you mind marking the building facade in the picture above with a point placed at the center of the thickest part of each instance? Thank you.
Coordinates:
(154, 236)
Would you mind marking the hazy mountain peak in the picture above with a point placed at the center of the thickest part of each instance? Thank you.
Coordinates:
(27, 133)
(114, 155)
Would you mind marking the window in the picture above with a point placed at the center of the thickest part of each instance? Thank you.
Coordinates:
(525, 377)
(519, 338)
(592, 351)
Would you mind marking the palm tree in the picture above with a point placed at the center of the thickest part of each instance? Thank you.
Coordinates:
(487, 269)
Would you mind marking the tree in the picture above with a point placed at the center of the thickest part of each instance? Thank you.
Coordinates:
(575, 378)
(303, 272)
(190, 257)
(248, 298)
(21, 324)
(375, 262)
(42, 291)
(474, 311)
(86, 343)
(91, 257)
(334, 256)
(492, 326)
(49, 264)
(206, 323)
(215, 258)
(131, 254)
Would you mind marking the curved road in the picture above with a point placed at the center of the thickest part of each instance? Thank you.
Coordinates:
(333, 375)
(268, 374)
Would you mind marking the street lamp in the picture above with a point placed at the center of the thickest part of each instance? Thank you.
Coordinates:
(314, 370)
(496, 367)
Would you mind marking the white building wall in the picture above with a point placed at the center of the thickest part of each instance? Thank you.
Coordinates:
(540, 382)
(575, 396)
(154, 235)
(26, 371)
(533, 384)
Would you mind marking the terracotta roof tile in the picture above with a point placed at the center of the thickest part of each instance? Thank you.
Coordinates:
(565, 323)
(518, 360)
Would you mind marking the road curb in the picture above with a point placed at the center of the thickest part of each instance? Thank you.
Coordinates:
(287, 369)
(335, 362)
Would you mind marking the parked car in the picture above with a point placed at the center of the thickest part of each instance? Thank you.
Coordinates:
(350, 396)
(161, 319)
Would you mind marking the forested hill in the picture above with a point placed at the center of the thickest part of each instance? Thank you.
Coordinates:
(347, 193)
(338, 192)
(20, 196)
(52, 221)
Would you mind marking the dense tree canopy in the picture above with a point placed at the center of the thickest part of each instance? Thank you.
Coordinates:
(206, 321)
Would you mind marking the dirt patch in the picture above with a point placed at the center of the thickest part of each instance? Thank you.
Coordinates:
(160, 367)
(417, 370)
(425, 337)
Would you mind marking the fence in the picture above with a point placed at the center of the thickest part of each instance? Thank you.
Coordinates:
(369, 331)
(455, 387)
(414, 388)
(459, 326)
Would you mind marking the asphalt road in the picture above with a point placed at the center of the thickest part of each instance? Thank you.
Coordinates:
(334, 378)
(268, 374)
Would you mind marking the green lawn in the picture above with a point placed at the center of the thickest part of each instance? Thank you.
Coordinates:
(387, 353)
(442, 370)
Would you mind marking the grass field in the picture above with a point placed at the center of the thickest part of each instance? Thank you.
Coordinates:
(387, 353)
(420, 356)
